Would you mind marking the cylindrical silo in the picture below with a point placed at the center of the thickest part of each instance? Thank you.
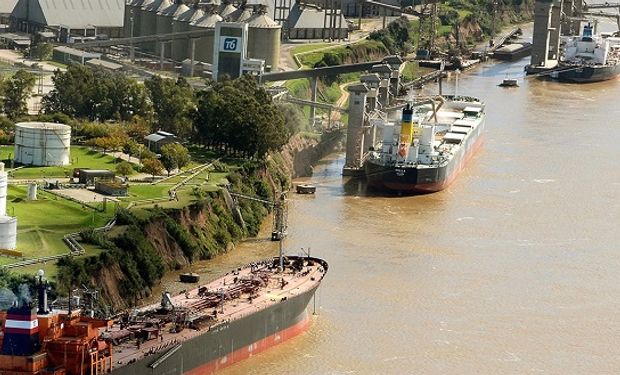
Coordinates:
(264, 39)
(204, 45)
(180, 47)
(242, 14)
(32, 192)
(148, 21)
(42, 143)
(8, 233)
(135, 11)
(165, 20)
(4, 179)
(225, 10)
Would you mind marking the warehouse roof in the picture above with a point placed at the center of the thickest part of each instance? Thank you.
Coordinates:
(307, 17)
(6, 6)
(72, 13)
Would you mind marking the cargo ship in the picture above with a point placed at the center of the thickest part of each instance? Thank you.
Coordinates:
(434, 141)
(199, 331)
(589, 58)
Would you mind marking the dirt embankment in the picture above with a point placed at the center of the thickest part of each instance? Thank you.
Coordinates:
(302, 152)
(206, 228)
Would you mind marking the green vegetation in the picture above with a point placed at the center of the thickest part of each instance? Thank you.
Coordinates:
(309, 47)
(364, 50)
(81, 157)
(14, 91)
(43, 223)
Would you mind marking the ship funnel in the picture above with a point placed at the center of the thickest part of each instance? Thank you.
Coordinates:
(42, 294)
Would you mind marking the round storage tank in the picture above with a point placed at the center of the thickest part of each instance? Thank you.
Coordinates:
(148, 21)
(137, 7)
(165, 19)
(4, 179)
(264, 39)
(8, 233)
(180, 47)
(42, 143)
(242, 14)
(204, 45)
(225, 10)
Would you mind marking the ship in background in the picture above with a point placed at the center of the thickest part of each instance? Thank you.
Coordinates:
(588, 57)
(436, 138)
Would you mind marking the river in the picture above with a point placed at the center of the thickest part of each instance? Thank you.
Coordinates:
(514, 269)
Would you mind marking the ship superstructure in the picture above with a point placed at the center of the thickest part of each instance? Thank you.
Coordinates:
(589, 57)
(430, 146)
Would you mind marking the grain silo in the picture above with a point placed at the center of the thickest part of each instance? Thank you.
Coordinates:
(180, 47)
(264, 39)
(137, 7)
(42, 143)
(242, 14)
(204, 45)
(226, 9)
(165, 20)
(148, 21)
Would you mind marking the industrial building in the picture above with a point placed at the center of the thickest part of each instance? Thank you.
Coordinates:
(155, 141)
(6, 8)
(70, 20)
(68, 55)
(42, 143)
(264, 18)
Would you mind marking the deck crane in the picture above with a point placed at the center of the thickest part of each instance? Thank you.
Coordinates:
(280, 213)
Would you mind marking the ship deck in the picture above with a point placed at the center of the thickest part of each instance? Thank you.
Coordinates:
(276, 287)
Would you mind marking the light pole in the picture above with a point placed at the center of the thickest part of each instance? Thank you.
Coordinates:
(131, 49)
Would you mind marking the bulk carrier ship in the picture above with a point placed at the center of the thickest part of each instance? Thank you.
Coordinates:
(589, 58)
(197, 332)
(436, 138)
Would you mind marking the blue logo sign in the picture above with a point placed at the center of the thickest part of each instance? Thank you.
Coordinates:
(230, 44)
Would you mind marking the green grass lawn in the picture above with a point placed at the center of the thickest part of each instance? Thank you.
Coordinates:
(41, 224)
(81, 157)
(309, 47)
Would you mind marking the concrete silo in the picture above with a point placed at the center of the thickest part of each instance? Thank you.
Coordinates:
(148, 21)
(165, 20)
(42, 143)
(264, 39)
(133, 10)
(226, 9)
(242, 14)
(181, 47)
(204, 45)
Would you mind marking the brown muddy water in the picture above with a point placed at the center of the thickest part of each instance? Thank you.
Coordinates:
(514, 269)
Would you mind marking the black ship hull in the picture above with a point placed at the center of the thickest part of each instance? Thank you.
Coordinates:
(422, 179)
(587, 74)
(229, 342)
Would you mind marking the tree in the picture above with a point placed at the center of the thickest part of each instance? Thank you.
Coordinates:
(131, 148)
(17, 90)
(172, 103)
(173, 156)
(41, 51)
(152, 167)
(124, 168)
(96, 94)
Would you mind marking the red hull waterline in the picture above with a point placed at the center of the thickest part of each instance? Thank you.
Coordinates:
(437, 186)
(253, 349)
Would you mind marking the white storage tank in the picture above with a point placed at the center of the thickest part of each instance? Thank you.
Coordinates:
(8, 233)
(42, 143)
(181, 47)
(4, 179)
(32, 192)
